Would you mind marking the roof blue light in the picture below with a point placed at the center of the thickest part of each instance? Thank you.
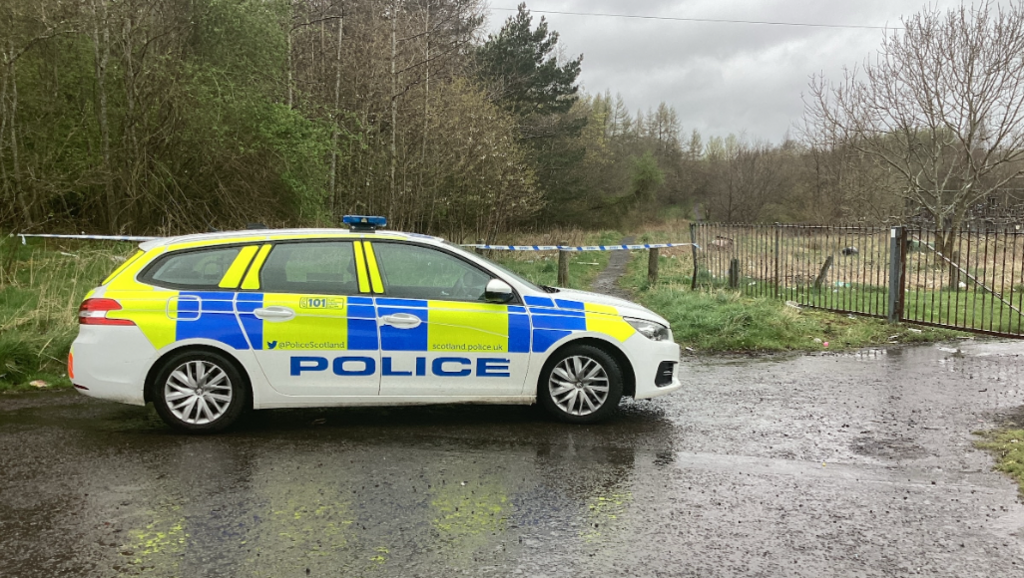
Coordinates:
(364, 222)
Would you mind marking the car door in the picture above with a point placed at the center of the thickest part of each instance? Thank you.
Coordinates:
(307, 309)
(438, 335)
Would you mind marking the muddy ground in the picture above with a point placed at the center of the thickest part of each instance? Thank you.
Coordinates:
(828, 465)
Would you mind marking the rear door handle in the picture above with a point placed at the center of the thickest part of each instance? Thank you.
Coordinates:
(401, 320)
(274, 313)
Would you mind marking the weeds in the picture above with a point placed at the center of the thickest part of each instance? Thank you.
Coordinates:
(41, 286)
(1007, 445)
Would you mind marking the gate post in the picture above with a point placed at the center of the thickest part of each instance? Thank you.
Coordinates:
(897, 270)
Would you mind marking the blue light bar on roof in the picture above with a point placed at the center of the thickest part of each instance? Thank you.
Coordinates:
(364, 222)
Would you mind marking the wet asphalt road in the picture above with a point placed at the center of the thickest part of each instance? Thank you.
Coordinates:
(832, 465)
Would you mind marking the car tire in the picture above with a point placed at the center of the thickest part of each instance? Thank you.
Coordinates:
(580, 384)
(200, 392)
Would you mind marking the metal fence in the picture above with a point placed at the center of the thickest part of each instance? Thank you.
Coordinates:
(969, 280)
(966, 280)
(836, 268)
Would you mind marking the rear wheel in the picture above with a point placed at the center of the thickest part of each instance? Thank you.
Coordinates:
(200, 392)
(580, 384)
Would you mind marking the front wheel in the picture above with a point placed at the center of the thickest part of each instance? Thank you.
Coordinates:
(199, 392)
(580, 384)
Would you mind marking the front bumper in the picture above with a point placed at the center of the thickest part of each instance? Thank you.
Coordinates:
(649, 359)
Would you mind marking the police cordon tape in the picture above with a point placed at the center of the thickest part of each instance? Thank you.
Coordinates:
(88, 237)
(489, 247)
(583, 248)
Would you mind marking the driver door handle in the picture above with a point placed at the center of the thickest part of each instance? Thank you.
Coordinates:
(401, 320)
(274, 313)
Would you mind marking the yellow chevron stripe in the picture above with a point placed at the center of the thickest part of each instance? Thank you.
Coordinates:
(252, 278)
(364, 283)
(237, 268)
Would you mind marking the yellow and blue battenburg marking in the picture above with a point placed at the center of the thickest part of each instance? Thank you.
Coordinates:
(350, 323)
(554, 319)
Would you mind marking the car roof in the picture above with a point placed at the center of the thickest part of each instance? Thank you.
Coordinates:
(261, 235)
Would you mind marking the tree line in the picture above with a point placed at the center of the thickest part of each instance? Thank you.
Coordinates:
(166, 116)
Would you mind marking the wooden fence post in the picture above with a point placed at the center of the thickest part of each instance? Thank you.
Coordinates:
(563, 266)
(478, 250)
(652, 267)
(734, 273)
(823, 273)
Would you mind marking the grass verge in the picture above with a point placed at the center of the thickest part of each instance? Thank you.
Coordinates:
(41, 285)
(1007, 445)
(725, 321)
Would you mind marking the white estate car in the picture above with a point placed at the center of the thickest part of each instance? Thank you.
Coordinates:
(208, 326)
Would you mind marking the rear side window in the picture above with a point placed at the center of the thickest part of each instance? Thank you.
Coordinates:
(201, 269)
(323, 267)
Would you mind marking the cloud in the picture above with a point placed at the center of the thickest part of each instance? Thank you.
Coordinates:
(721, 78)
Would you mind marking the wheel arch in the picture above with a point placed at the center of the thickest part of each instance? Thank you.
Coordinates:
(625, 366)
(154, 369)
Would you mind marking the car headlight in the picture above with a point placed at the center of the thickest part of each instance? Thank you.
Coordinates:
(650, 330)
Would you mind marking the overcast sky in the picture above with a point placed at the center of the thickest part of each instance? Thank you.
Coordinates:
(744, 79)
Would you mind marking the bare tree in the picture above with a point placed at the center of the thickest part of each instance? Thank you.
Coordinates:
(942, 105)
(744, 179)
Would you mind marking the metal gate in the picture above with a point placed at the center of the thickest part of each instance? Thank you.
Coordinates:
(966, 280)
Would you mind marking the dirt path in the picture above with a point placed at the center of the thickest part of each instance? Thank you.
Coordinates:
(607, 281)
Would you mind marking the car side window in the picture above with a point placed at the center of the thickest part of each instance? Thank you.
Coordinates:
(202, 269)
(415, 272)
(319, 267)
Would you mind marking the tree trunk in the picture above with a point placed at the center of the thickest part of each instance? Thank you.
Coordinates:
(5, 185)
(291, 79)
(131, 122)
(394, 103)
(337, 128)
(101, 48)
(19, 193)
(945, 242)
(426, 108)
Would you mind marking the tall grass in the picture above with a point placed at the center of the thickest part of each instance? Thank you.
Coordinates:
(41, 286)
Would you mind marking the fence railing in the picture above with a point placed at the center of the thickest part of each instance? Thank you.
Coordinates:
(961, 279)
(969, 280)
(829, 267)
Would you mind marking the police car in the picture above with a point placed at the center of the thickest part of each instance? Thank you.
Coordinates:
(208, 326)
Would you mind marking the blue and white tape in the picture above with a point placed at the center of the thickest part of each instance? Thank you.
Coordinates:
(89, 237)
(583, 248)
(131, 238)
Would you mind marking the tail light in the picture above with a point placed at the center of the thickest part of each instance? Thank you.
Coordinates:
(94, 312)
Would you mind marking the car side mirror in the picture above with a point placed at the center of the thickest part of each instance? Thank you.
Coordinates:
(498, 291)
